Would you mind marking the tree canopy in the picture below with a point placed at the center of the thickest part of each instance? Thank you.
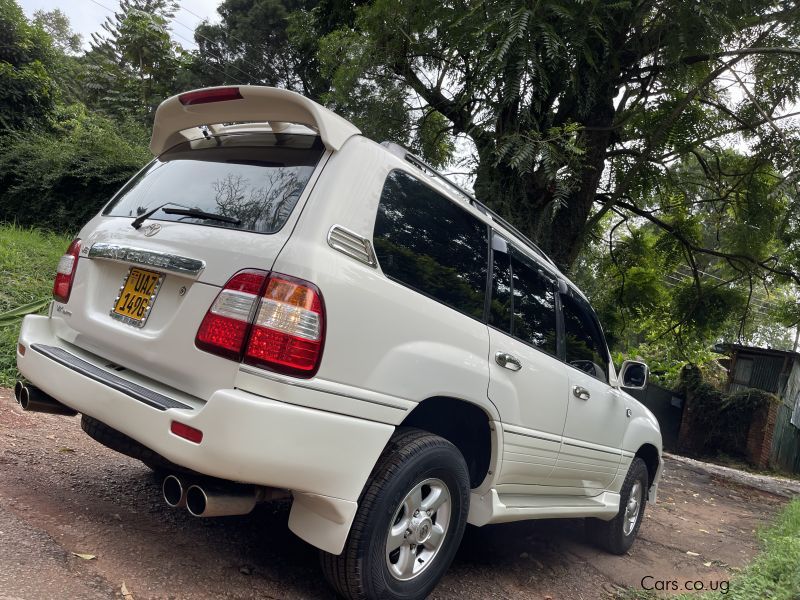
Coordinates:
(649, 146)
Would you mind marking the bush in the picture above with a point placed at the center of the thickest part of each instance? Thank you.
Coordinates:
(60, 178)
(722, 420)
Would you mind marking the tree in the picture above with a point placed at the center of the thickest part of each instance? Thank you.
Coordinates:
(654, 303)
(250, 44)
(27, 93)
(56, 23)
(65, 68)
(132, 66)
(575, 108)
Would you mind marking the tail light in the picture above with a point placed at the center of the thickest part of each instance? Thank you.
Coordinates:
(226, 325)
(267, 320)
(65, 272)
(288, 328)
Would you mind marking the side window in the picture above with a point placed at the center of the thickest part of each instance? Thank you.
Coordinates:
(534, 304)
(585, 348)
(428, 243)
(501, 307)
(523, 300)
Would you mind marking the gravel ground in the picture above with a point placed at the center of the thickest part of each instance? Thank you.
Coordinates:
(61, 493)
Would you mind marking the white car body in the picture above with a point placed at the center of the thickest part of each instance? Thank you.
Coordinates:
(388, 350)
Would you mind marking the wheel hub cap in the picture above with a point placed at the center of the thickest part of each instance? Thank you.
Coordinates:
(421, 529)
(418, 529)
(632, 508)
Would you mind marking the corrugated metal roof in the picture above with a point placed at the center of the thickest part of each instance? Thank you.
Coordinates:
(766, 373)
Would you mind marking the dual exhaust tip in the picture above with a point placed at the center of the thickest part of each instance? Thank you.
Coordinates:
(32, 399)
(210, 500)
(213, 499)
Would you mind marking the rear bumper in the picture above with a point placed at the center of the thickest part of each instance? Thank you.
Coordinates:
(246, 437)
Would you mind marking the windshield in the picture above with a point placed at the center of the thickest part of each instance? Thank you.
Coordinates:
(255, 178)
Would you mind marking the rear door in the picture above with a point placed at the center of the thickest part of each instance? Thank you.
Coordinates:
(528, 382)
(596, 417)
(140, 294)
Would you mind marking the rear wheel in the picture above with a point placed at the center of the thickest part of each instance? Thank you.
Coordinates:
(618, 534)
(409, 524)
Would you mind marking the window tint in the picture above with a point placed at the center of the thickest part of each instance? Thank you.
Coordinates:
(255, 178)
(534, 304)
(523, 300)
(427, 242)
(585, 348)
(500, 310)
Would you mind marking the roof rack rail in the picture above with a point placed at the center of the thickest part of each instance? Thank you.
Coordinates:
(415, 160)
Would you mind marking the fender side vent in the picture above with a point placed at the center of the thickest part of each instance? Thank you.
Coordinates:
(352, 244)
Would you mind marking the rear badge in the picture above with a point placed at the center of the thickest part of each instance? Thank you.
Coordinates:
(152, 229)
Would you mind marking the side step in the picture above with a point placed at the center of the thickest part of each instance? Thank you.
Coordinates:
(494, 508)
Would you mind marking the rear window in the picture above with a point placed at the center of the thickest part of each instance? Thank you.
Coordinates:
(256, 178)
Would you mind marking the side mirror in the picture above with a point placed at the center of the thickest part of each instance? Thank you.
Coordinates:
(633, 375)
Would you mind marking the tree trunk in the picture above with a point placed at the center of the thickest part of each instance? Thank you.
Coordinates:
(527, 201)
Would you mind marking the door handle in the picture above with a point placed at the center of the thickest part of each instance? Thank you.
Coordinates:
(507, 361)
(581, 393)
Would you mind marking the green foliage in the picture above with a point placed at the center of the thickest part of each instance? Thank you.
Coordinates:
(28, 260)
(60, 179)
(56, 23)
(376, 103)
(133, 64)
(27, 92)
(14, 315)
(657, 294)
(723, 418)
(251, 44)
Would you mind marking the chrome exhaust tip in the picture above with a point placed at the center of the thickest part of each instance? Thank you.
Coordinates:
(174, 492)
(223, 502)
(18, 387)
(32, 399)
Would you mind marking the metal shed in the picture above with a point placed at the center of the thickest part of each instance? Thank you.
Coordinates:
(775, 371)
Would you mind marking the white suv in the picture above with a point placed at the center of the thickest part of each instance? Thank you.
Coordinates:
(284, 306)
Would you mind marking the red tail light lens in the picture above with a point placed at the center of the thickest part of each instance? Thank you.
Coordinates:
(65, 272)
(270, 321)
(225, 327)
(220, 94)
(288, 329)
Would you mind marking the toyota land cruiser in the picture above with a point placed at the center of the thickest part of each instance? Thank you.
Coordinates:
(276, 304)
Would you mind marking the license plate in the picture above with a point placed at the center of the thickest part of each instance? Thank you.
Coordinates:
(136, 296)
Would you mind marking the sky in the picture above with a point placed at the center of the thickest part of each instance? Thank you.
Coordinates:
(86, 16)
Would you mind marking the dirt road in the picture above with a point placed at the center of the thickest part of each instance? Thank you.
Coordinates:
(62, 493)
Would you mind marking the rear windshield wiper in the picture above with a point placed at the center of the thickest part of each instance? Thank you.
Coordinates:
(188, 212)
(200, 214)
(137, 222)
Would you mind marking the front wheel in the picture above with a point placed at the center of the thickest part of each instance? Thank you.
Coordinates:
(409, 524)
(618, 534)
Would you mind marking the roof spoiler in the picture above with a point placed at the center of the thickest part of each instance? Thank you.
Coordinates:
(244, 103)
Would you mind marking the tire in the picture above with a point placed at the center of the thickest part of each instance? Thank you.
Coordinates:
(617, 535)
(412, 460)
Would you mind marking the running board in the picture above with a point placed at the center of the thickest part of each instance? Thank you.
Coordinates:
(494, 508)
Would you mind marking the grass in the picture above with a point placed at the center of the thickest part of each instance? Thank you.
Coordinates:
(28, 259)
(775, 573)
